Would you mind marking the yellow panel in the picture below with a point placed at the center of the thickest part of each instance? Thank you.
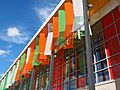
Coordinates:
(97, 4)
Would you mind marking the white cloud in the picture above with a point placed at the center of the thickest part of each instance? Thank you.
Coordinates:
(13, 32)
(14, 35)
(3, 52)
(44, 12)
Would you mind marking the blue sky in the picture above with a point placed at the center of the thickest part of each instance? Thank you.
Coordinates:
(19, 21)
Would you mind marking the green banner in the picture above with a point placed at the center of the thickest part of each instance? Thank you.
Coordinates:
(22, 60)
(35, 63)
(62, 25)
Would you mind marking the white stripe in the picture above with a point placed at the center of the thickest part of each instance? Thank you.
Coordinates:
(18, 62)
(48, 44)
(78, 13)
(78, 7)
(8, 79)
(28, 54)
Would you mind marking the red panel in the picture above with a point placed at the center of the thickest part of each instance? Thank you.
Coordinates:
(114, 60)
(112, 47)
(81, 82)
(118, 26)
(109, 32)
(53, 46)
(115, 72)
(107, 20)
(116, 13)
(54, 88)
(59, 87)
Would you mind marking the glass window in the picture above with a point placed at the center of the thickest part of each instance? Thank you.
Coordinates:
(99, 52)
(103, 75)
(101, 65)
(96, 28)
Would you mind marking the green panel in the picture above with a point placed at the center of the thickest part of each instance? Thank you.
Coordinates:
(35, 63)
(22, 61)
(62, 25)
(62, 20)
(5, 81)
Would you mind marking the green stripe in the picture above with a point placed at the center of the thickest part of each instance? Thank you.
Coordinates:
(62, 20)
(35, 63)
(62, 25)
(22, 61)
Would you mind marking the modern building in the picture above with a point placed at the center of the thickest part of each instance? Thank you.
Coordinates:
(55, 58)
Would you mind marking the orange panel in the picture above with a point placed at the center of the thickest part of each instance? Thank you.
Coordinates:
(42, 44)
(98, 4)
(28, 67)
(69, 18)
(30, 60)
(23, 69)
(55, 27)
(69, 13)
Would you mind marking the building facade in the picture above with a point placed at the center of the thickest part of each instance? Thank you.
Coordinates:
(32, 69)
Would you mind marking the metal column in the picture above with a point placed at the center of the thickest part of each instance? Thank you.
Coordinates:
(32, 79)
(88, 47)
(21, 84)
(51, 72)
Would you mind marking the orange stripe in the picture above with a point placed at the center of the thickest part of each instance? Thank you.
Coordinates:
(55, 27)
(69, 18)
(42, 44)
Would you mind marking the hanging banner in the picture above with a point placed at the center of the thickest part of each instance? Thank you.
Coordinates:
(35, 63)
(61, 24)
(17, 78)
(78, 13)
(48, 44)
(26, 62)
(13, 74)
(42, 44)
(69, 18)
(9, 79)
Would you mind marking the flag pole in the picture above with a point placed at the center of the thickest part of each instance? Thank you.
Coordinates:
(88, 47)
